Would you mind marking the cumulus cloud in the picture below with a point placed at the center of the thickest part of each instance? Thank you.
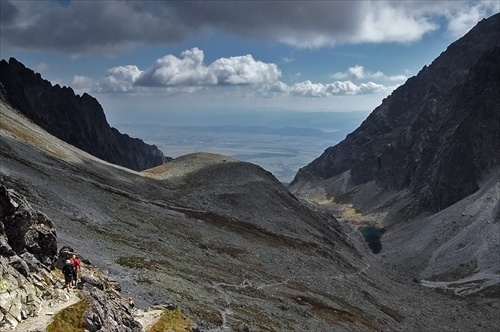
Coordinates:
(120, 79)
(359, 73)
(337, 88)
(184, 73)
(188, 73)
(244, 70)
(172, 71)
(112, 26)
(189, 70)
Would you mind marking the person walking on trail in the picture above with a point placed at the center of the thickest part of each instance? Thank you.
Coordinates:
(76, 268)
(131, 303)
(68, 271)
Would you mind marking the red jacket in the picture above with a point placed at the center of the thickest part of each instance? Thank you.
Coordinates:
(76, 263)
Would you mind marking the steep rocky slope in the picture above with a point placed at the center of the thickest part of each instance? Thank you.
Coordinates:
(29, 284)
(436, 136)
(221, 239)
(425, 166)
(78, 120)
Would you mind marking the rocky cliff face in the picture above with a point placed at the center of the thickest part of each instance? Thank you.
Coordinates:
(436, 136)
(28, 249)
(28, 257)
(78, 120)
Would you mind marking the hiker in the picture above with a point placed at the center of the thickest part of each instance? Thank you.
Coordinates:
(131, 303)
(76, 268)
(68, 271)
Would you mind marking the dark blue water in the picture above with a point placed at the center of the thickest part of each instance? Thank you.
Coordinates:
(372, 237)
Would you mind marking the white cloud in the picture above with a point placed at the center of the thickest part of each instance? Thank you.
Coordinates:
(461, 20)
(359, 73)
(385, 22)
(188, 73)
(189, 70)
(172, 71)
(308, 89)
(279, 87)
(244, 70)
(370, 87)
(337, 88)
(120, 79)
(396, 78)
(343, 88)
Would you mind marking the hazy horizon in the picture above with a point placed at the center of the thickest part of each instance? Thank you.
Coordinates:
(280, 142)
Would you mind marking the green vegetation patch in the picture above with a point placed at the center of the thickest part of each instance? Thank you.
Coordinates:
(70, 319)
(173, 320)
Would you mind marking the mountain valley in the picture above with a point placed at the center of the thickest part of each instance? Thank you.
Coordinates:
(236, 250)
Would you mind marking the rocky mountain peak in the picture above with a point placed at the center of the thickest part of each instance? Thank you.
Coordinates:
(436, 136)
(78, 120)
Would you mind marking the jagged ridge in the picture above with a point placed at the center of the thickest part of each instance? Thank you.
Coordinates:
(437, 135)
(78, 120)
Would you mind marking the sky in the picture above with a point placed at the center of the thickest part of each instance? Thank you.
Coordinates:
(148, 60)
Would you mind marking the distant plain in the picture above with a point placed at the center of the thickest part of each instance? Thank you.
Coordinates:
(281, 143)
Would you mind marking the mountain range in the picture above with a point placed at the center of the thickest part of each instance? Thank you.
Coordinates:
(78, 120)
(232, 247)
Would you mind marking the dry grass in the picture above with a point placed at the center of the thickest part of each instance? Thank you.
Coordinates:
(70, 319)
(33, 140)
(174, 321)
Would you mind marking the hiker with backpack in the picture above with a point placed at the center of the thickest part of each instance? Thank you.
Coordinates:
(68, 270)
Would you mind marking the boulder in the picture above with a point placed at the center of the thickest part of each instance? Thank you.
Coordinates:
(26, 230)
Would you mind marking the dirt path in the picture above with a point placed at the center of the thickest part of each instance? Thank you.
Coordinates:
(49, 309)
(147, 317)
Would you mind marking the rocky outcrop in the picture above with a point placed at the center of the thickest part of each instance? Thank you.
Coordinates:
(28, 254)
(107, 310)
(436, 137)
(25, 231)
(78, 120)
(28, 249)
